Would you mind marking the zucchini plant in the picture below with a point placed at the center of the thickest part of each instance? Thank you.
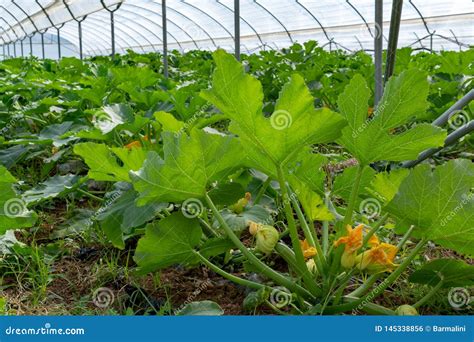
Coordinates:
(327, 247)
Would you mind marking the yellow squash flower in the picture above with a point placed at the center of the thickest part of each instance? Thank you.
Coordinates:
(378, 259)
(353, 240)
(308, 251)
(352, 243)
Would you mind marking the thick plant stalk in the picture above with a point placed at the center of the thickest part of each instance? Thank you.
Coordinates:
(326, 230)
(371, 308)
(430, 294)
(405, 237)
(263, 268)
(309, 233)
(374, 230)
(295, 241)
(365, 286)
(291, 221)
(231, 277)
(378, 290)
(313, 240)
(353, 198)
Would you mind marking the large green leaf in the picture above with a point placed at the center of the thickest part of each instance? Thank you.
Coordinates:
(294, 124)
(453, 273)
(376, 138)
(190, 164)
(119, 214)
(50, 188)
(439, 203)
(13, 211)
(344, 183)
(103, 161)
(168, 242)
(385, 184)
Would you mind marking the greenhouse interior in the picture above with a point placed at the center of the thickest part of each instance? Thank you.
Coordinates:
(226, 157)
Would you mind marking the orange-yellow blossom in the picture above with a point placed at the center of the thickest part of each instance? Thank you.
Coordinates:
(378, 259)
(353, 240)
(308, 251)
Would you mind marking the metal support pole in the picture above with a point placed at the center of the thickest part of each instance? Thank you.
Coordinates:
(31, 45)
(79, 27)
(42, 44)
(112, 25)
(21, 47)
(454, 136)
(378, 42)
(461, 103)
(451, 139)
(3, 51)
(165, 38)
(59, 43)
(237, 29)
(8, 49)
(112, 33)
(14, 48)
(397, 6)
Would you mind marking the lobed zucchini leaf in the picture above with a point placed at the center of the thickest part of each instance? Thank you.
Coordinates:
(439, 203)
(293, 125)
(375, 138)
(189, 165)
(103, 163)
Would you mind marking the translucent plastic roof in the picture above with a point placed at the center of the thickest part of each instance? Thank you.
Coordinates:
(265, 24)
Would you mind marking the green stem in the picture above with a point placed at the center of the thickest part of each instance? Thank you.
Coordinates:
(430, 294)
(365, 286)
(309, 233)
(326, 230)
(374, 229)
(353, 198)
(382, 287)
(90, 195)
(231, 277)
(405, 237)
(262, 267)
(208, 227)
(312, 238)
(371, 308)
(262, 190)
(207, 121)
(295, 241)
